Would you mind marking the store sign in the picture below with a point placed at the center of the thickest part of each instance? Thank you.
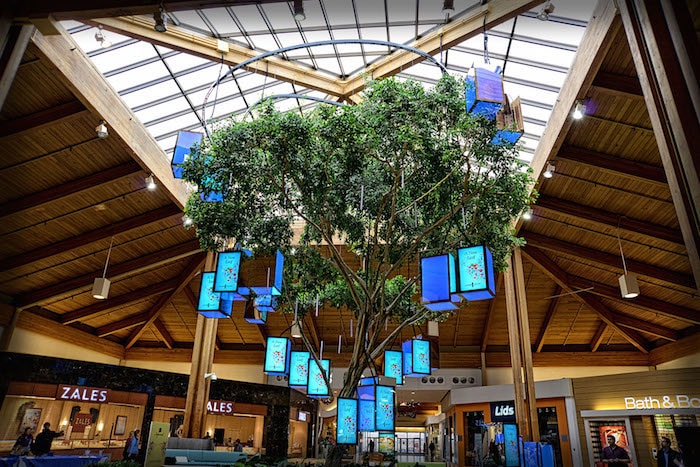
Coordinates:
(503, 411)
(679, 401)
(81, 393)
(80, 422)
(220, 407)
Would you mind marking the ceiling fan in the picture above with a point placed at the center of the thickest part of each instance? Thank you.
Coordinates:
(569, 293)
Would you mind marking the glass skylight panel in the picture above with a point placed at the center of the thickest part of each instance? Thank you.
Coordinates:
(189, 18)
(535, 112)
(531, 93)
(156, 112)
(290, 38)
(341, 12)
(173, 124)
(550, 30)
(537, 52)
(184, 61)
(535, 74)
(371, 11)
(133, 53)
(353, 64)
(220, 20)
(402, 34)
(250, 18)
(401, 10)
(150, 94)
(134, 77)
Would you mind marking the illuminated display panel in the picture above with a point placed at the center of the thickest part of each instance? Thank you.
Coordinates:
(277, 355)
(346, 431)
(317, 386)
(385, 408)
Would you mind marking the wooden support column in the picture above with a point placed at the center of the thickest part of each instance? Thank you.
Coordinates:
(11, 55)
(515, 354)
(202, 358)
(526, 348)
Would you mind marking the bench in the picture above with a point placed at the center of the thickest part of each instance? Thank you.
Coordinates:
(203, 457)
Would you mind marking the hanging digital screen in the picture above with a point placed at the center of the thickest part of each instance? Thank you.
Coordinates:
(208, 299)
(510, 444)
(228, 266)
(317, 387)
(393, 365)
(299, 369)
(183, 146)
(276, 287)
(386, 443)
(385, 408)
(421, 357)
(346, 430)
(407, 352)
(439, 282)
(366, 416)
(277, 355)
(476, 273)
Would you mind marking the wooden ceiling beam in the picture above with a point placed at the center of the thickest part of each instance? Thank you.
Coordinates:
(63, 58)
(560, 277)
(551, 309)
(206, 47)
(623, 84)
(117, 272)
(609, 219)
(614, 164)
(12, 48)
(598, 336)
(107, 231)
(103, 307)
(83, 9)
(311, 324)
(445, 37)
(645, 326)
(682, 348)
(41, 119)
(194, 266)
(651, 305)
(162, 333)
(611, 261)
(121, 325)
(67, 189)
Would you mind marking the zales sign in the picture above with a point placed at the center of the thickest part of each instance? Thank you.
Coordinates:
(679, 401)
(67, 392)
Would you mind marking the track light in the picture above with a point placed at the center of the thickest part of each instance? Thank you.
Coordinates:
(579, 110)
(299, 11)
(101, 39)
(150, 182)
(159, 18)
(101, 130)
(546, 10)
(211, 376)
(448, 7)
(549, 171)
(100, 287)
(527, 214)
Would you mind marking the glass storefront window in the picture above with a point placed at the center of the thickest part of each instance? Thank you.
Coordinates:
(549, 430)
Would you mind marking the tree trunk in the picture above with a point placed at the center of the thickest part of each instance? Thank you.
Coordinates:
(335, 456)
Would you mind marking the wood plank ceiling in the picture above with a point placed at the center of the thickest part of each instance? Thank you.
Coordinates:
(67, 195)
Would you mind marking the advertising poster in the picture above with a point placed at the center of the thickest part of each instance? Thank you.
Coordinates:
(277, 356)
(157, 441)
(228, 264)
(366, 422)
(619, 432)
(299, 369)
(393, 366)
(386, 443)
(472, 269)
(385, 408)
(208, 299)
(317, 385)
(421, 357)
(30, 419)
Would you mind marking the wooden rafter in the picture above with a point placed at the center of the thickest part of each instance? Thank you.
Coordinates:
(598, 336)
(41, 119)
(194, 266)
(609, 219)
(107, 231)
(74, 69)
(312, 326)
(489, 317)
(449, 35)
(624, 84)
(69, 188)
(162, 333)
(539, 342)
(116, 272)
(561, 278)
(15, 41)
(644, 326)
(175, 38)
(121, 325)
(103, 307)
(645, 303)
(609, 260)
(613, 164)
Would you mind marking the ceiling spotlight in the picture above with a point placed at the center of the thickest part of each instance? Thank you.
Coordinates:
(101, 130)
(211, 376)
(100, 38)
(299, 11)
(150, 182)
(186, 221)
(549, 171)
(448, 6)
(527, 214)
(547, 9)
(159, 17)
(579, 110)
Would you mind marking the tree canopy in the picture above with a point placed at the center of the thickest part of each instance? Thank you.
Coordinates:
(406, 172)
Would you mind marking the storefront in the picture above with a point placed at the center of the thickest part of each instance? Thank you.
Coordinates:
(89, 417)
(637, 409)
(473, 430)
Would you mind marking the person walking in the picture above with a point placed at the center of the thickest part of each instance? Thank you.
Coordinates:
(666, 457)
(431, 448)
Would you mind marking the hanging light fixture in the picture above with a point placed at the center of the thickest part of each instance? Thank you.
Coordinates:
(159, 18)
(101, 130)
(299, 11)
(101, 39)
(546, 10)
(549, 171)
(448, 7)
(150, 182)
(100, 287)
(295, 331)
(527, 214)
(579, 110)
(629, 288)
